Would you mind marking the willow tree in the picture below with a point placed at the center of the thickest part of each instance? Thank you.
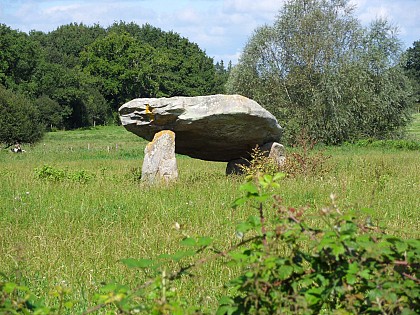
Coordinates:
(317, 68)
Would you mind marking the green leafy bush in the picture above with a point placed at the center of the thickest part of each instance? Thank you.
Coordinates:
(51, 173)
(345, 265)
(258, 164)
(302, 161)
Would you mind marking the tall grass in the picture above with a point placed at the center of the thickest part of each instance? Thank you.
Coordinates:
(74, 233)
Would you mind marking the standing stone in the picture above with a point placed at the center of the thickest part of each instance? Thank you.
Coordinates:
(275, 151)
(159, 159)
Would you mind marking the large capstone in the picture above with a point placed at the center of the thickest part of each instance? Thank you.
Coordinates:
(213, 128)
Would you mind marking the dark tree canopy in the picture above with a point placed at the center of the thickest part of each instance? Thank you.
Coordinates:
(19, 118)
(144, 61)
(78, 75)
(317, 68)
(19, 56)
(412, 68)
(64, 45)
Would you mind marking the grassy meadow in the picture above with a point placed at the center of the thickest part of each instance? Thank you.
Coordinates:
(72, 229)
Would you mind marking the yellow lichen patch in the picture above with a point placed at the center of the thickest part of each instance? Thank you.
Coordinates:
(158, 135)
(149, 113)
(161, 133)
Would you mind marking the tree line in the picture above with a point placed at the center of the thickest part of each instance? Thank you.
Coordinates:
(316, 69)
(78, 75)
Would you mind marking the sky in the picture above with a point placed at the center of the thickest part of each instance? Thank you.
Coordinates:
(220, 27)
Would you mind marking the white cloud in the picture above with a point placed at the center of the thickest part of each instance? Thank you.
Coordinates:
(220, 27)
(260, 7)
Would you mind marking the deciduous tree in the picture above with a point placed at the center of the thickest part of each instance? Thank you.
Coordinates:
(19, 56)
(19, 119)
(317, 68)
(412, 68)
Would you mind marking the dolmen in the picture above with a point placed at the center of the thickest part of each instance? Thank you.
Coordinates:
(223, 128)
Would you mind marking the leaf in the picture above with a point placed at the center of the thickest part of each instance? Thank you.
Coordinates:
(189, 242)
(165, 256)
(204, 241)
(226, 310)
(238, 256)
(367, 211)
(243, 227)
(225, 300)
(278, 176)
(110, 287)
(262, 198)
(249, 188)
(137, 263)
(313, 296)
(337, 250)
(353, 268)
(9, 287)
(285, 272)
(182, 254)
(365, 274)
(268, 178)
(351, 278)
(239, 202)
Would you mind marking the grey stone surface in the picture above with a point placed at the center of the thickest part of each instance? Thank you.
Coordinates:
(159, 163)
(214, 128)
(275, 151)
(235, 167)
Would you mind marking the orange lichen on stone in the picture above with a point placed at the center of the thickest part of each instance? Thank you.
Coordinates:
(163, 132)
(149, 113)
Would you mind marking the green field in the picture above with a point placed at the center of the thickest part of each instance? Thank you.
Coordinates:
(73, 228)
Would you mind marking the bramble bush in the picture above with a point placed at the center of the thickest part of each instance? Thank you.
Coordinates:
(336, 262)
(259, 163)
(344, 265)
(304, 161)
(51, 173)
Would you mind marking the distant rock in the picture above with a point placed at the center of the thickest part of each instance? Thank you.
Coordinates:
(159, 163)
(275, 151)
(213, 128)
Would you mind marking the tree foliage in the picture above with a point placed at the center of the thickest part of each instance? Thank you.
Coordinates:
(78, 75)
(19, 118)
(19, 56)
(123, 66)
(318, 67)
(133, 61)
(412, 68)
(64, 45)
